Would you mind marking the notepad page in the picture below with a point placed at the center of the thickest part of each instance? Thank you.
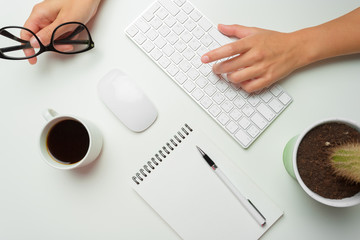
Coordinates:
(190, 197)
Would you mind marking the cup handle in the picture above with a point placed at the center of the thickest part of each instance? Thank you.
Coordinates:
(49, 114)
(288, 156)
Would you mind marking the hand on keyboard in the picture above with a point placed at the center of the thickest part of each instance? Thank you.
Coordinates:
(263, 57)
(174, 34)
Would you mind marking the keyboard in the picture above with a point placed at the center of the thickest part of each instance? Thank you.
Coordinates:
(175, 34)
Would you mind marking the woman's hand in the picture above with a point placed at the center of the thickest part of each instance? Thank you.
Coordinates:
(259, 58)
(49, 14)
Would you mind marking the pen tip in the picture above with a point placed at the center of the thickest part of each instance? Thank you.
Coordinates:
(200, 150)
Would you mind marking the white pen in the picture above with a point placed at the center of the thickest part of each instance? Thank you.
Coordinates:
(248, 205)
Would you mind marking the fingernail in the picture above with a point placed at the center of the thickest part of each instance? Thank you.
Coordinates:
(205, 59)
(34, 42)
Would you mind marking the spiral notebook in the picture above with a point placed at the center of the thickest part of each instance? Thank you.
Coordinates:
(181, 187)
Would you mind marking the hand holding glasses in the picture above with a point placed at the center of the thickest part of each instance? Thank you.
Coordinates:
(68, 38)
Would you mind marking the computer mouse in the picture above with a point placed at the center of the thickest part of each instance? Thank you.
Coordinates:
(127, 101)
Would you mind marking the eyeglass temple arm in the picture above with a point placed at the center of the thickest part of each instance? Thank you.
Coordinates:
(11, 36)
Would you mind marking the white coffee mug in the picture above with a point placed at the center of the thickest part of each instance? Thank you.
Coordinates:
(94, 143)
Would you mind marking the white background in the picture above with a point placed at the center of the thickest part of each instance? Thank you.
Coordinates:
(96, 202)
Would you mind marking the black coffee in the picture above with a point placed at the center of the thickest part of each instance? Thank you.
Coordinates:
(68, 141)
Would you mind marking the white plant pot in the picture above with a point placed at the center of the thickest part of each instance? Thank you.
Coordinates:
(290, 163)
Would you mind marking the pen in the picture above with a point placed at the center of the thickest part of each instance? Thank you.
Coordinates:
(248, 205)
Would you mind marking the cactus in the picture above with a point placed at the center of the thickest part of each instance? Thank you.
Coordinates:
(345, 160)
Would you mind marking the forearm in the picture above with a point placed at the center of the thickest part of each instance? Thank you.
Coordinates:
(338, 37)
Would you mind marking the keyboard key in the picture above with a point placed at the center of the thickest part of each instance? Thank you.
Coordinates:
(170, 21)
(284, 98)
(219, 37)
(188, 54)
(244, 123)
(253, 100)
(276, 105)
(164, 30)
(156, 54)
(206, 40)
(205, 69)
(132, 31)
(198, 94)
(149, 14)
(243, 138)
(193, 73)
(239, 102)
(164, 61)
(214, 110)
(142, 25)
(265, 111)
(253, 131)
(178, 28)
(213, 78)
(185, 66)
(148, 46)
(180, 77)
(182, 17)
(227, 106)
(218, 98)
(222, 86)
(140, 38)
(172, 70)
(187, 8)
(156, 22)
(206, 102)
(195, 15)
(189, 86)
(259, 120)
(201, 82)
(176, 58)
(168, 50)
(210, 90)
(172, 38)
(162, 13)
(160, 42)
(266, 96)
(275, 90)
(170, 6)
(235, 114)
(198, 32)
(194, 44)
(247, 110)
(186, 36)
(232, 127)
(230, 94)
(152, 34)
(204, 24)
(180, 46)
(179, 2)
(223, 118)
(190, 25)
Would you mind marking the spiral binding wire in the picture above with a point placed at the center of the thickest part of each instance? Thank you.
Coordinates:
(161, 154)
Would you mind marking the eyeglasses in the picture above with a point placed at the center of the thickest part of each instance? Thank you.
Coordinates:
(68, 38)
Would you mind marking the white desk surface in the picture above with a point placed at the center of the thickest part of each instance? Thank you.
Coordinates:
(96, 202)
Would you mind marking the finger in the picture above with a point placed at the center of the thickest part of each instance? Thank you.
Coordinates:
(254, 85)
(244, 74)
(225, 51)
(235, 30)
(244, 60)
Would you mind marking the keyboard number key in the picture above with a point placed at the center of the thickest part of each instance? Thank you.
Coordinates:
(253, 131)
(266, 111)
(276, 105)
(259, 120)
(243, 138)
(284, 98)
(232, 127)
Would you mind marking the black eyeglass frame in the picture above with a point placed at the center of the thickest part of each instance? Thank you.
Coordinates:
(49, 47)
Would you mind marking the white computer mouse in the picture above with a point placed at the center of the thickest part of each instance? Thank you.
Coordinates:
(127, 101)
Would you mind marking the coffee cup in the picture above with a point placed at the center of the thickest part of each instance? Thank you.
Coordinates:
(68, 142)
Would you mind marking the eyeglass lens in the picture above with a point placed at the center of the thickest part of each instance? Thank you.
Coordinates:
(15, 43)
(71, 38)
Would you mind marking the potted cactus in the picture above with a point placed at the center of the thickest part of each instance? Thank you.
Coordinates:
(325, 160)
(345, 160)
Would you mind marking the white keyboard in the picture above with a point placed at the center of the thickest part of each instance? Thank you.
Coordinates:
(174, 34)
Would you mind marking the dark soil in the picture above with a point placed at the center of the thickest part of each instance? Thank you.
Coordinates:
(313, 163)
